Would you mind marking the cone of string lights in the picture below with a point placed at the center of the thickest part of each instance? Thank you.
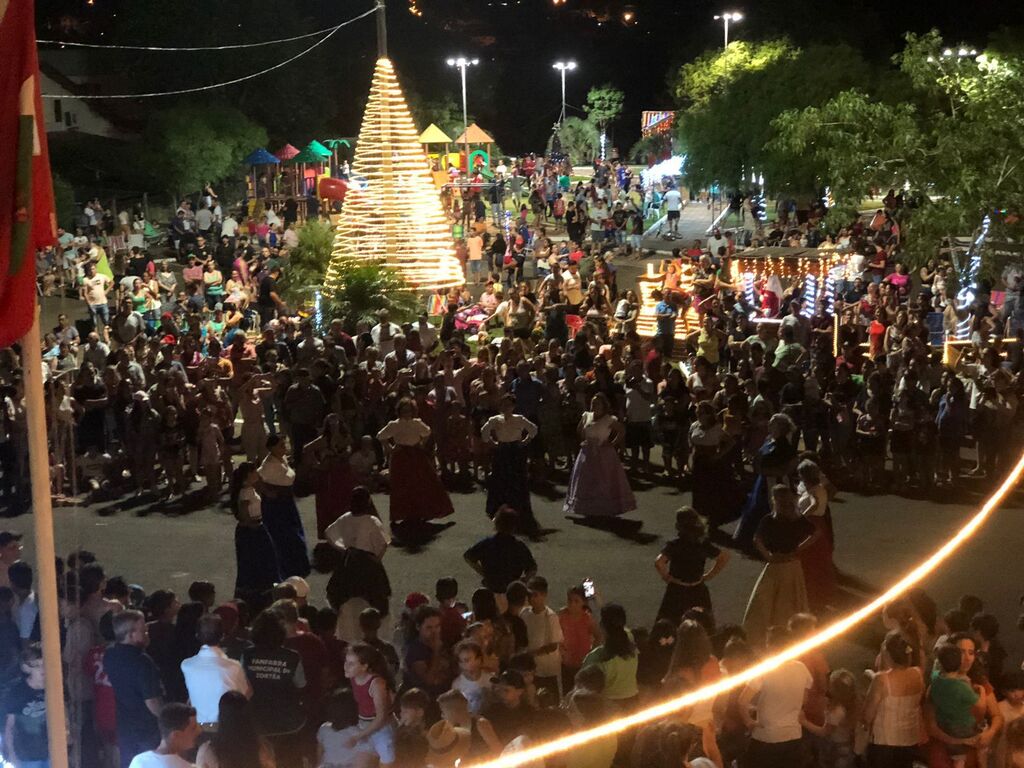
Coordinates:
(392, 212)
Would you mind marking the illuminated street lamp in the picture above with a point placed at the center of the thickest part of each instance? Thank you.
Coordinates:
(463, 63)
(726, 18)
(563, 67)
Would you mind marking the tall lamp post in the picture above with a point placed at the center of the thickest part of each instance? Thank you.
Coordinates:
(462, 63)
(726, 18)
(563, 67)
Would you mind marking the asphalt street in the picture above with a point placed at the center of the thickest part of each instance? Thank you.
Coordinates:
(878, 539)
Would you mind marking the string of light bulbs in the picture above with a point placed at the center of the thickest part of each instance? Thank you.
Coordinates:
(213, 86)
(826, 635)
(235, 46)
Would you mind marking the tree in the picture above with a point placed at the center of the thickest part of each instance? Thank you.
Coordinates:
(443, 112)
(656, 147)
(188, 147)
(953, 140)
(708, 75)
(604, 105)
(579, 139)
(730, 98)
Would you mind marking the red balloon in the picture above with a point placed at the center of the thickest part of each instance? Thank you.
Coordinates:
(333, 189)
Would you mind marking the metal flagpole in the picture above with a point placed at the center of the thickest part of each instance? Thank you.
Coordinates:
(46, 557)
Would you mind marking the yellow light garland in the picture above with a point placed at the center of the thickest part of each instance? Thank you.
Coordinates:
(392, 211)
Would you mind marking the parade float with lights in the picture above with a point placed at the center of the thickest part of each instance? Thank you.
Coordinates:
(755, 272)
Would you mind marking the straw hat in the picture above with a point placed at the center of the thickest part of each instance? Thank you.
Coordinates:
(448, 745)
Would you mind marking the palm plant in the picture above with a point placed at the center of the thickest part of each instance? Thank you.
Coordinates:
(365, 289)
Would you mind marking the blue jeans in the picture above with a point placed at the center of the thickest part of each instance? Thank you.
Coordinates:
(34, 763)
(99, 312)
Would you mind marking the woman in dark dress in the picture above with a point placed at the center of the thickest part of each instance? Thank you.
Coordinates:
(257, 570)
(681, 566)
(508, 482)
(712, 471)
(774, 461)
(280, 514)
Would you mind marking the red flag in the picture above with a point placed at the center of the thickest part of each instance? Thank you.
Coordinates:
(27, 219)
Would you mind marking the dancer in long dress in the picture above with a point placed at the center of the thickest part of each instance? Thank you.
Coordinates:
(360, 528)
(256, 559)
(334, 477)
(280, 514)
(816, 560)
(712, 473)
(775, 460)
(508, 482)
(416, 491)
(780, 590)
(598, 486)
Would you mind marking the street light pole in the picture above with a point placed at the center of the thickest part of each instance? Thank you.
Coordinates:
(563, 67)
(463, 63)
(725, 18)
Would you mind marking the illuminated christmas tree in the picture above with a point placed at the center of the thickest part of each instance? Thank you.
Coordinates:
(392, 212)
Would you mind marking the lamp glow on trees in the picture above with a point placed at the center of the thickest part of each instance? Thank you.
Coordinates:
(392, 212)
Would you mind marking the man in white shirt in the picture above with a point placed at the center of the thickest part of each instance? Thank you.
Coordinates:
(428, 334)
(775, 730)
(383, 333)
(210, 673)
(179, 732)
(229, 228)
(544, 633)
(572, 286)
(204, 220)
(673, 205)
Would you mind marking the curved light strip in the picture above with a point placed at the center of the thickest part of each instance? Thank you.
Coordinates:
(829, 633)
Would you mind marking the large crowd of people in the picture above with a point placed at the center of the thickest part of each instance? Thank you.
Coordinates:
(201, 384)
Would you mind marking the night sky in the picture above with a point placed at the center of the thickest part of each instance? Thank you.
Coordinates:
(514, 92)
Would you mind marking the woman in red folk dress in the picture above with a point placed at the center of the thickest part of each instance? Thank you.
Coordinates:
(416, 491)
(328, 455)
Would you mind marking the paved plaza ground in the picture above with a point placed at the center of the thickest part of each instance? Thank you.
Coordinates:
(878, 538)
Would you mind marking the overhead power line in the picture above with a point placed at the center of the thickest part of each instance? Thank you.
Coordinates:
(213, 86)
(235, 46)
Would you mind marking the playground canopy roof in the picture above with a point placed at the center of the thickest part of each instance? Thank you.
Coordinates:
(477, 135)
(434, 135)
(261, 157)
(308, 155)
(317, 148)
(287, 152)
